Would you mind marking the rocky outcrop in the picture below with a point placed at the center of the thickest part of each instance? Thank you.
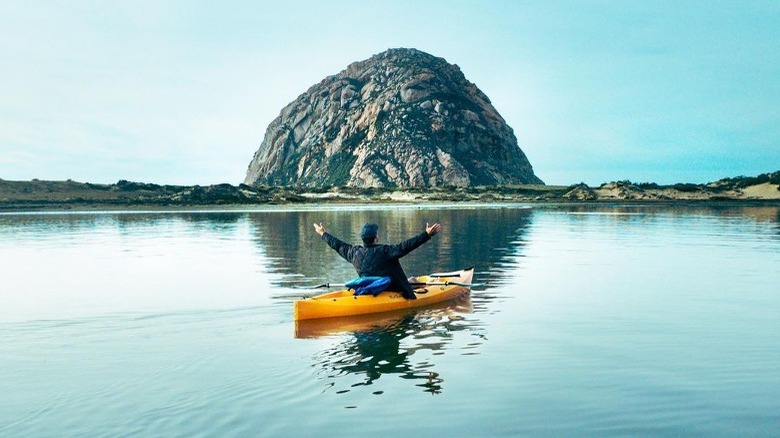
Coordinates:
(580, 192)
(402, 118)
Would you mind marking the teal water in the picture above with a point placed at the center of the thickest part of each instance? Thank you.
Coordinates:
(591, 321)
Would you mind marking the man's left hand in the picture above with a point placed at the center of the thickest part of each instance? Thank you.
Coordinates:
(432, 229)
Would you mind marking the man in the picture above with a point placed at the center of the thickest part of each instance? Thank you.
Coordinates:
(375, 260)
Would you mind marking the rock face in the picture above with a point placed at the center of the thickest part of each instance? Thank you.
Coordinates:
(402, 118)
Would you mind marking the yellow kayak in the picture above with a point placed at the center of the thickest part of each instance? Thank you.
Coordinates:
(317, 328)
(429, 289)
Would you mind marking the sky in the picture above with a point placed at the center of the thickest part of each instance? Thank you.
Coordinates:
(181, 92)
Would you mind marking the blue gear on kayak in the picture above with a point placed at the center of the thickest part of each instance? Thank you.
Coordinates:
(368, 285)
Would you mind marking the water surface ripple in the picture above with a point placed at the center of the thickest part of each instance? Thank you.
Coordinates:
(608, 320)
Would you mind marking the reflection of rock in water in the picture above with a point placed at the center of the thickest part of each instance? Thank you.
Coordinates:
(377, 351)
(486, 238)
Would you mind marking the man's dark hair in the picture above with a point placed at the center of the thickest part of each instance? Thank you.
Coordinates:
(368, 233)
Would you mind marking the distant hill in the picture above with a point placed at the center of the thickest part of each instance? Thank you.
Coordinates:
(63, 195)
(402, 118)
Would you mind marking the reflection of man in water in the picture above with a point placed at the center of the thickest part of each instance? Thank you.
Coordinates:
(377, 351)
(375, 260)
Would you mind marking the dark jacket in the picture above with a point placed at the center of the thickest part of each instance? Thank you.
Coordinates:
(380, 260)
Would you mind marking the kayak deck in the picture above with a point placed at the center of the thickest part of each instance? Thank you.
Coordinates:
(430, 289)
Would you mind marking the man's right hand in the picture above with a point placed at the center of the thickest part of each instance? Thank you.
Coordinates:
(319, 229)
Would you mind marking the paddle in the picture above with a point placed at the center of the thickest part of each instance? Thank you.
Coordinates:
(449, 274)
(446, 283)
(415, 283)
(324, 285)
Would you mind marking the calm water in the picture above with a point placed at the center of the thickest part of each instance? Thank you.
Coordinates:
(592, 321)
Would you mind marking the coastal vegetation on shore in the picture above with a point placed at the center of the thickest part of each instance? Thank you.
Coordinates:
(65, 195)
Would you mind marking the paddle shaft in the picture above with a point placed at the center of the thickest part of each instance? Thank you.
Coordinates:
(416, 283)
(446, 283)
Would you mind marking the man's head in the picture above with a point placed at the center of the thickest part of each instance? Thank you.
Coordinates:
(368, 233)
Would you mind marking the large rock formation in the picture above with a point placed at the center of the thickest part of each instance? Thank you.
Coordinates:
(402, 118)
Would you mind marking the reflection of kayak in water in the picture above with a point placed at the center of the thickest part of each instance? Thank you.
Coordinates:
(315, 328)
(430, 289)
